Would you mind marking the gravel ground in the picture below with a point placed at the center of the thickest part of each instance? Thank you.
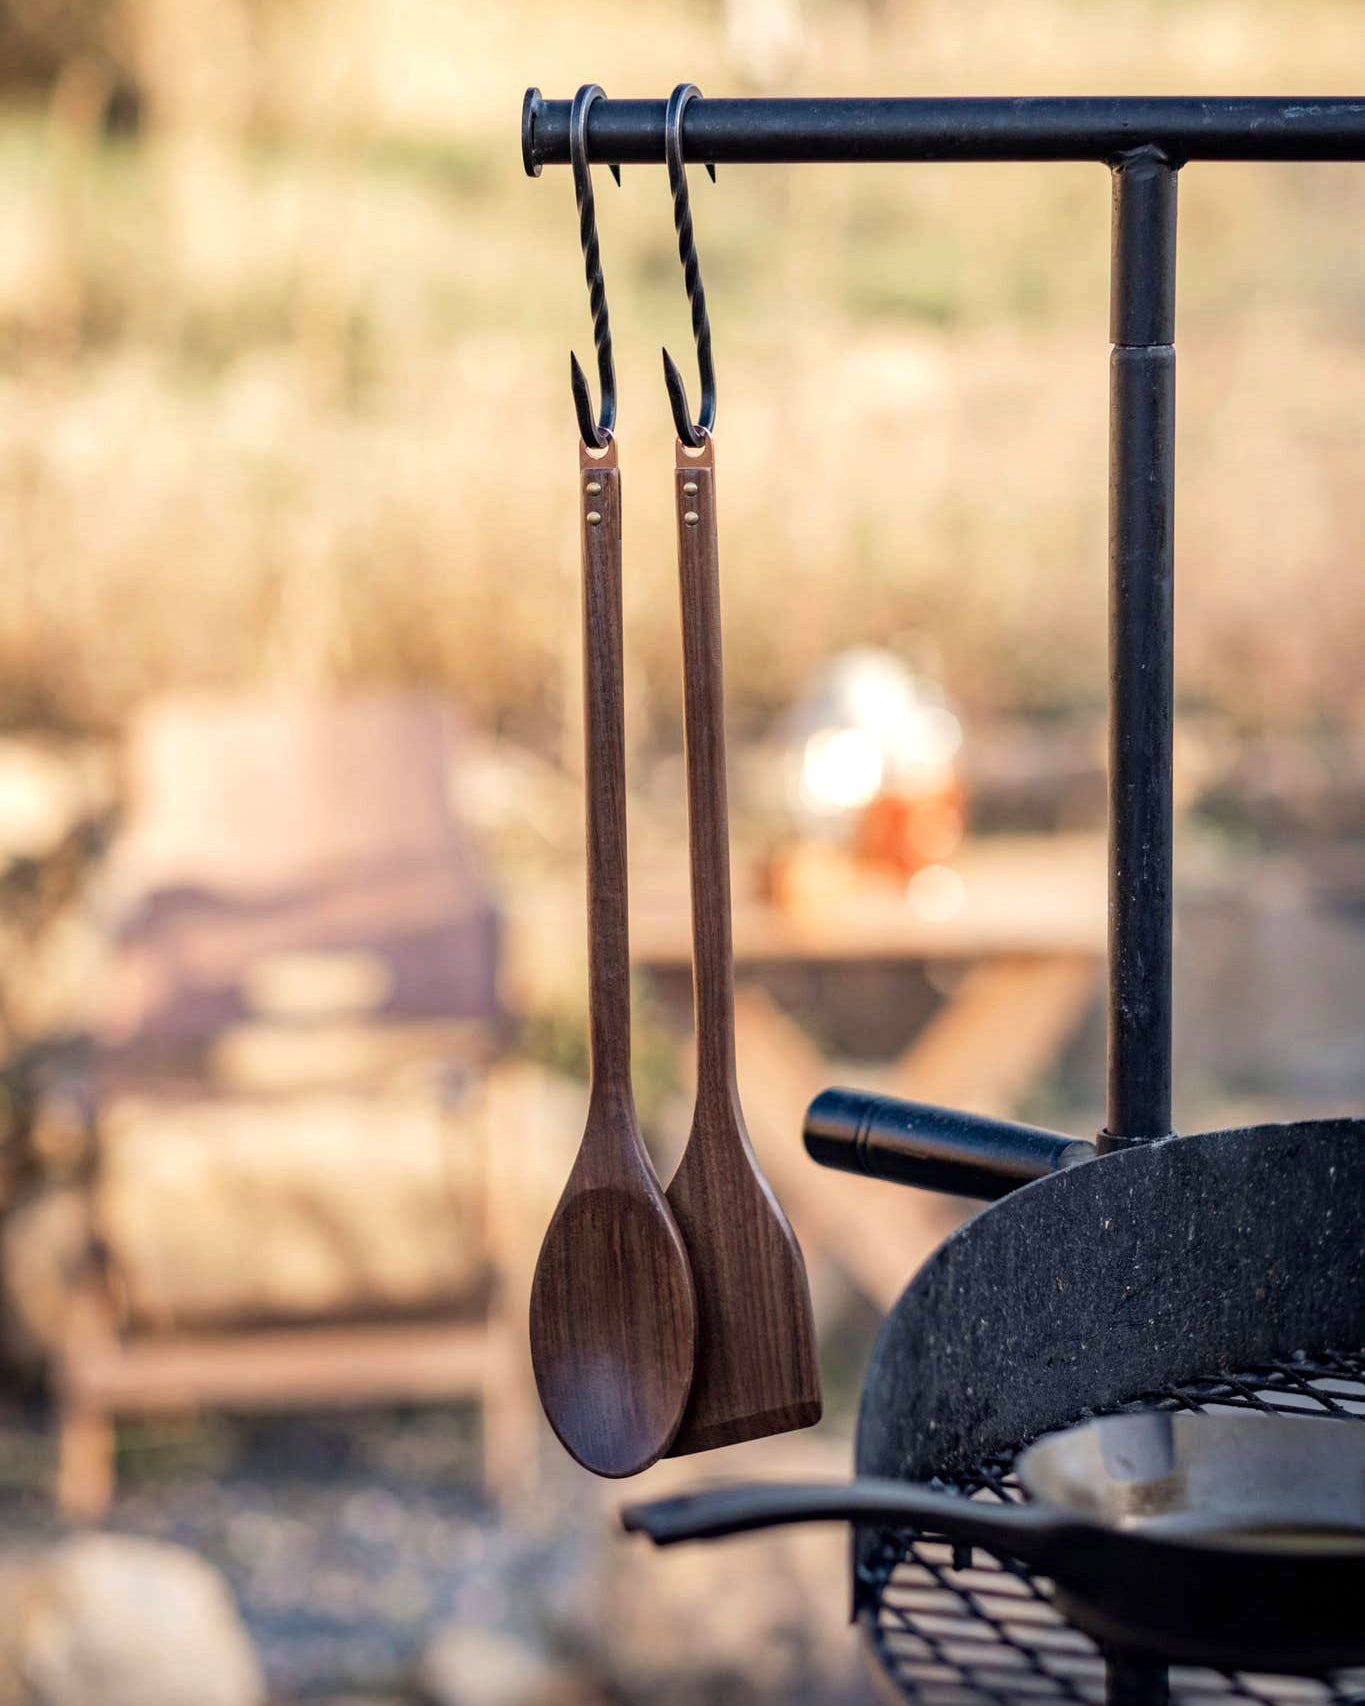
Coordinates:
(346, 1540)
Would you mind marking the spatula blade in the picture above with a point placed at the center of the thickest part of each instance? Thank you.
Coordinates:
(757, 1370)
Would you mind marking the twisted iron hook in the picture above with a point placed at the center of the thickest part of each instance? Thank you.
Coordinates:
(693, 434)
(596, 433)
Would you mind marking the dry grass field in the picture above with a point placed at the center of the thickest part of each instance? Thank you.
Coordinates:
(283, 368)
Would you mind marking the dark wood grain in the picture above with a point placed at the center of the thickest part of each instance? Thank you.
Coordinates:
(613, 1316)
(756, 1371)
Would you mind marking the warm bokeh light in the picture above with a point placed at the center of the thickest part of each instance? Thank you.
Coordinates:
(841, 769)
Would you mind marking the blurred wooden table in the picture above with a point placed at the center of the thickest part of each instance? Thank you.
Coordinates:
(1026, 929)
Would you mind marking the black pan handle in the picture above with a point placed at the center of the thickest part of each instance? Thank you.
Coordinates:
(938, 1149)
(1032, 1533)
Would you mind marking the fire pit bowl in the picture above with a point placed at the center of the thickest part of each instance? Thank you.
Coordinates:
(1210, 1273)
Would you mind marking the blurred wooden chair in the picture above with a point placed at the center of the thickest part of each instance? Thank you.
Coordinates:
(286, 856)
(295, 1197)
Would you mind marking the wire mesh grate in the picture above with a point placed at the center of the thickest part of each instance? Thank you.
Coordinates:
(955, 1627)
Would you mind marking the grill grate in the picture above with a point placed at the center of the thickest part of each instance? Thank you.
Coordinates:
(957, 1629)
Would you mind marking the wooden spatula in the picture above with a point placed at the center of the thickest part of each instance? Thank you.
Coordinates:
(756, 1368)
(613, 1319)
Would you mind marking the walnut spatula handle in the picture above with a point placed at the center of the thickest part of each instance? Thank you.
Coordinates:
(694, 480)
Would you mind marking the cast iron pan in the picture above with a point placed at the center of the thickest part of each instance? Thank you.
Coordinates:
(1230, 1541)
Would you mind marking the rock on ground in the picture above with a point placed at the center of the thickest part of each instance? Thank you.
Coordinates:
(123, 1622)
(468, 1665)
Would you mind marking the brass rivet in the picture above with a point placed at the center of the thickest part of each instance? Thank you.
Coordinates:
(691, 518)
(690, 487)
(593, 487)
(593, 518)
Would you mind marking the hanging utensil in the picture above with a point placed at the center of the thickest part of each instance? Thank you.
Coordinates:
(613, 1317)
(757, 1371)
(1205, 1540)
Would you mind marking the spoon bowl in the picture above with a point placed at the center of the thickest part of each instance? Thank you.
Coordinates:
(612, 1323)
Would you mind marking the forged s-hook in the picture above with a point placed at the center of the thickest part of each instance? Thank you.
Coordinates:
(693, 434)
(596, 434)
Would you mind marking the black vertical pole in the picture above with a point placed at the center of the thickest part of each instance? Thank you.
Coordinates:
(1141, 637)
(1141, 643)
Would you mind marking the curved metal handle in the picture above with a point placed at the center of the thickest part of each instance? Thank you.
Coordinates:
(1031, 1533)
(936, 1149)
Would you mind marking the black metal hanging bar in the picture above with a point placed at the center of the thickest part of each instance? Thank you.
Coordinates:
(1104, 128)
(1141, 646)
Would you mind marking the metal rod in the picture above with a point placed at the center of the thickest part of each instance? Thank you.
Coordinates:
(1141, 643)
(1141, 692)
(1142, 497)
(1084, 128)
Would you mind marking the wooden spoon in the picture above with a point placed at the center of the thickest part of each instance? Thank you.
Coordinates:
(613, 1317)
(757, 1371)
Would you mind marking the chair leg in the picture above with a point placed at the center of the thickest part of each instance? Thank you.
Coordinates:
(510, 1435)
(85, 1463)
